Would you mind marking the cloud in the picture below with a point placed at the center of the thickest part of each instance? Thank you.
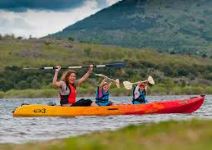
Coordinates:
(38, 23)
(13, 24)
(54, 5)
(24, 5)
(111, 2)
(41, 23)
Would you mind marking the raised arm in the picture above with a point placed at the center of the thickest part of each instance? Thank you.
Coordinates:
(86, 75)
(102, 83)
(136, 91)
(56, 83)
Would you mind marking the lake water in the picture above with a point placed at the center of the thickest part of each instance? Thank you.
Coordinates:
(21, 130)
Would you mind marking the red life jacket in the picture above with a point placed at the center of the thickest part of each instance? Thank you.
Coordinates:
(70, 96)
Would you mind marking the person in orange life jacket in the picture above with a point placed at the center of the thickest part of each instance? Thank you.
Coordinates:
(68, 85)
(139, 93)
(102, 93)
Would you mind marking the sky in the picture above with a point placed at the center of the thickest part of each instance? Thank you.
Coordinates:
(38, 18)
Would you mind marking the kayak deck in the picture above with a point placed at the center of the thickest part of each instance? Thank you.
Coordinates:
(162, 107)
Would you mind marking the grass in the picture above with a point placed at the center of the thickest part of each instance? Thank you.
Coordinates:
(175, 135)
(37, 53)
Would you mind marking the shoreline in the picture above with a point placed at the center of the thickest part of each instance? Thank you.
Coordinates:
(90, 92)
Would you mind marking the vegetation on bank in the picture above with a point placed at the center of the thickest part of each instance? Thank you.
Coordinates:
(90, 91)
(174, 74)
(174, 135)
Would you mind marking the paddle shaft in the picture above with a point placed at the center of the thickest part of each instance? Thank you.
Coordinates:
(77, 67)
(139, 81)
(101, 75)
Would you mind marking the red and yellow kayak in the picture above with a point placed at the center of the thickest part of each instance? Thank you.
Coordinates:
(163, 107)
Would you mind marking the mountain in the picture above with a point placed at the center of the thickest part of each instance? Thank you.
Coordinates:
(182, 26)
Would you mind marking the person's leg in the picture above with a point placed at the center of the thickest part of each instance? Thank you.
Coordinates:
(83, 102)
(136, 102)
(66, 105)
(94, 104)
(110, 103)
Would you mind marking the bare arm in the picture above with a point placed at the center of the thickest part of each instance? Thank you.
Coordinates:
(86, 75)
(110, 84)
(102, 83)
(146, 88)
(56, 83)
(136, 92)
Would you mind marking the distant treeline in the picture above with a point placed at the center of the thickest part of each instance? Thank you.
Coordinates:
(13, 37)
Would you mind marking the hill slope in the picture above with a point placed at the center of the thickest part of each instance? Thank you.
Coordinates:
(173, 74)
(171, 26)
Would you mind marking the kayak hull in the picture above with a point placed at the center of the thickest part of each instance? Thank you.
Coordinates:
(163, 107)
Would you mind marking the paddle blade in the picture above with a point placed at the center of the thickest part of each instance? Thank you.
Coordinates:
(118, 65)
(151, 80)
(127, 85)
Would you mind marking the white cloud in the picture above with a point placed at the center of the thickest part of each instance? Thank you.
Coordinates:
(111, 2)
(41, 23)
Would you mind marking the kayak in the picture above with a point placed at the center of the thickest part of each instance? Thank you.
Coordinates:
(157, 107)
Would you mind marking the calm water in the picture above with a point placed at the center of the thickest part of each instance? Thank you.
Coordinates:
(20, 130)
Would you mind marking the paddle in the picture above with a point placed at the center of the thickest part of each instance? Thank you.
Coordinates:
(128, 85)
(118, 65)
(115, 81)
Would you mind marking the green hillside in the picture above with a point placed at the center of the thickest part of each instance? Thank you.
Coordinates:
(174, 74)
(168, 26)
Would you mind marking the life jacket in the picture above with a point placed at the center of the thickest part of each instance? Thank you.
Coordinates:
(101, 96)
(142, 96)
(68, 96)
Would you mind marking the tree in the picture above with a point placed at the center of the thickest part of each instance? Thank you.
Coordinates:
(70, 38)
(35, 84)
(22, 85)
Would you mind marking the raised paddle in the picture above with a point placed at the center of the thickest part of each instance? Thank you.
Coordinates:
(128, 85)
(116, 81)
(117, 65)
